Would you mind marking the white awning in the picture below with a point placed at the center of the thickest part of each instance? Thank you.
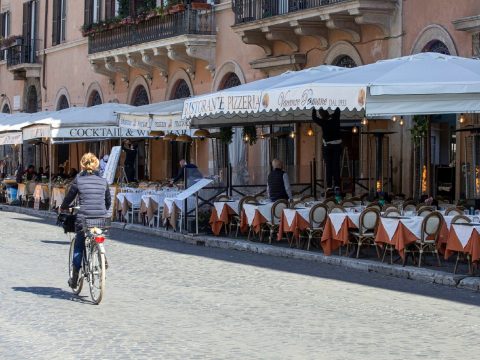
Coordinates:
(11, 138)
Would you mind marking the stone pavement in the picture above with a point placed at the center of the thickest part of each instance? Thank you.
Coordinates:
(170, 300)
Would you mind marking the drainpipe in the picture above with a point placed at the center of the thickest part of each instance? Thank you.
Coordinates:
(45, 28)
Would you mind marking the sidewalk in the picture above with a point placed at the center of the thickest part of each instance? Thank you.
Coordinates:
(408, 272)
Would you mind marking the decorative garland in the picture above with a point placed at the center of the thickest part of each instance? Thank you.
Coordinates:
(419, 129)
(9, 41)
(251, 132)
(226, 135)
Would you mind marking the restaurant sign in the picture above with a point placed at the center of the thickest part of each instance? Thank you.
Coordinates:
(169, 123)
(138, 122)
(36, 132)
(104, 132)
(318, 96)
(221, 103)
(12, 138)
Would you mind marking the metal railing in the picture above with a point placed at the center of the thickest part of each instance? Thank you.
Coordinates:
(20, 54)
(252, 10)
(190, 21)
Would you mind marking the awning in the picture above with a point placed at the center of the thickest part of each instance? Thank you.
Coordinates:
(163, 116)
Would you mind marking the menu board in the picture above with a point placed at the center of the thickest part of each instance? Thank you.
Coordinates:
(111, 168)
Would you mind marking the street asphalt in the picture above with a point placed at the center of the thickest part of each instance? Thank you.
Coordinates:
(170, 300)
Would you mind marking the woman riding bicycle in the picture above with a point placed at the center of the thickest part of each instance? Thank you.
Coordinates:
(94, 201)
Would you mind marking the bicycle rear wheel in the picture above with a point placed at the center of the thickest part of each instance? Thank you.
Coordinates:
(97, 273)
(79, 286)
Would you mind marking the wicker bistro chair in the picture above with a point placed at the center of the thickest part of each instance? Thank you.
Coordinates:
(388, 207)
(424, 210)
(454, 211)
(235, 221)
(222, 197)
(276, 214)
(375, 206)
(317, 218)
(430, 228)
(260, 197)
(330, 202)
(347, 203)
(462, 219)
(365, 234)
(356, 201)
(337, 209)
(392, 212)
(307, 198)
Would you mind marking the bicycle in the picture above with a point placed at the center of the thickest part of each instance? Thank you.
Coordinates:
(93, 267)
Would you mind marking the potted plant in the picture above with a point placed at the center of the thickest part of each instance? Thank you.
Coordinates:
(201, 5)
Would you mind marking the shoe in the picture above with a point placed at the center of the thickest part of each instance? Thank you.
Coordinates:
(73, 281)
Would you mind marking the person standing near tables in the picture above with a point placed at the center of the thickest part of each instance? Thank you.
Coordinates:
(129, 163)
(192, 173)
(31, 174)
(278, 185)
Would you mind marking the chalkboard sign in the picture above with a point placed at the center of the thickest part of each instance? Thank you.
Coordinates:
(112, 164)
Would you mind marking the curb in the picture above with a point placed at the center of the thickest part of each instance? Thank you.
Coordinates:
(408, 272)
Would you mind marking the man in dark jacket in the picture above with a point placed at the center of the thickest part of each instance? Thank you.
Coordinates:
(94, 200)
(332, 143)
(192, 173)
(278, 186)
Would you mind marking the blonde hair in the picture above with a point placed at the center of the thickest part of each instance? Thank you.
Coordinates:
(89, 162)
(277, 164)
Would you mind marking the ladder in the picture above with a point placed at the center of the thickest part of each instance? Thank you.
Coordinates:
(345, 163)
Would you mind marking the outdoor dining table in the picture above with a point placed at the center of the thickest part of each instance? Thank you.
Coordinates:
(464, 238)
(336, 230)
(172, 208)
(127, 200)
(295, 220)
(150, 203)
(25, 189)
(221, 214)
(255, 215)
(58, 194)
(41, 192)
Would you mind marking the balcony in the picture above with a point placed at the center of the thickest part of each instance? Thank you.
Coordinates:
(21, 61)
(263, 22)
(184, 36)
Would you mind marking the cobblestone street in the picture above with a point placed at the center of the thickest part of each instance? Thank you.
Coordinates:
(169, 300)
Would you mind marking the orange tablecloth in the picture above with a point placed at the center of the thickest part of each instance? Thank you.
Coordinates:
(400, 240)
(332, 241)
(217, 222)
(298, 224)
(471, 247)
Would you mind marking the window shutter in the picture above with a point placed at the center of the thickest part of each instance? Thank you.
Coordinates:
(55, 22)
(2, 25)
(63, 22)
(27, 22)
(88, 13)
(109, 9)
(99, 11)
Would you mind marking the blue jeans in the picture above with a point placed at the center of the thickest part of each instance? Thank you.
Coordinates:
(78, 249)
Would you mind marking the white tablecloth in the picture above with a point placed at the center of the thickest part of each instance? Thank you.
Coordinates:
(337, 219)
(290, 214)
(264, 209)
(41, 192)
(464, 232)
(413, 224)
(58, 194)
(220, 205)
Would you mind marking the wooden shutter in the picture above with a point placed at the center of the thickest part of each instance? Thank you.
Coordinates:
(88, 12)
(2, 25)
(27, 22)
(99, 11)
(109, 9)
(63, 19)
(55, 22)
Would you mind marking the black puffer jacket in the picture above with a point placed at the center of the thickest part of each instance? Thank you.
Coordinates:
(93, 195)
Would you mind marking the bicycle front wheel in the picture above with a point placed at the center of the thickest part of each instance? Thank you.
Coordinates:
(97, 273)
(76, 290)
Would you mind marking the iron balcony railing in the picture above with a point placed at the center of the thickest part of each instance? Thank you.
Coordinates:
(252, 10)
(20, 54)
(190, 21)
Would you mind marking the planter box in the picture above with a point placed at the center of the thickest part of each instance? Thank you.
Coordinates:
(201, 6)
(176, 8)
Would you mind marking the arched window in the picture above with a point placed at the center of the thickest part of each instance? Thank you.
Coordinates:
(140, 96)
(344, 61)
(436, 46)
(94, 98)
(6, 109)
(63, 103)
(32, 100)
(230, 80)
(181, 90)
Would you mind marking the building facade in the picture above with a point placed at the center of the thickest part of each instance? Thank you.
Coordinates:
(65, 53)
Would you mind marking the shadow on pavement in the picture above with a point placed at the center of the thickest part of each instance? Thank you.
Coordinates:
(301, 267)
(57, 242)
(51, 292)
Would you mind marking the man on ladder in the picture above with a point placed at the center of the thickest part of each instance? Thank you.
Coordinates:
(332, 144)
